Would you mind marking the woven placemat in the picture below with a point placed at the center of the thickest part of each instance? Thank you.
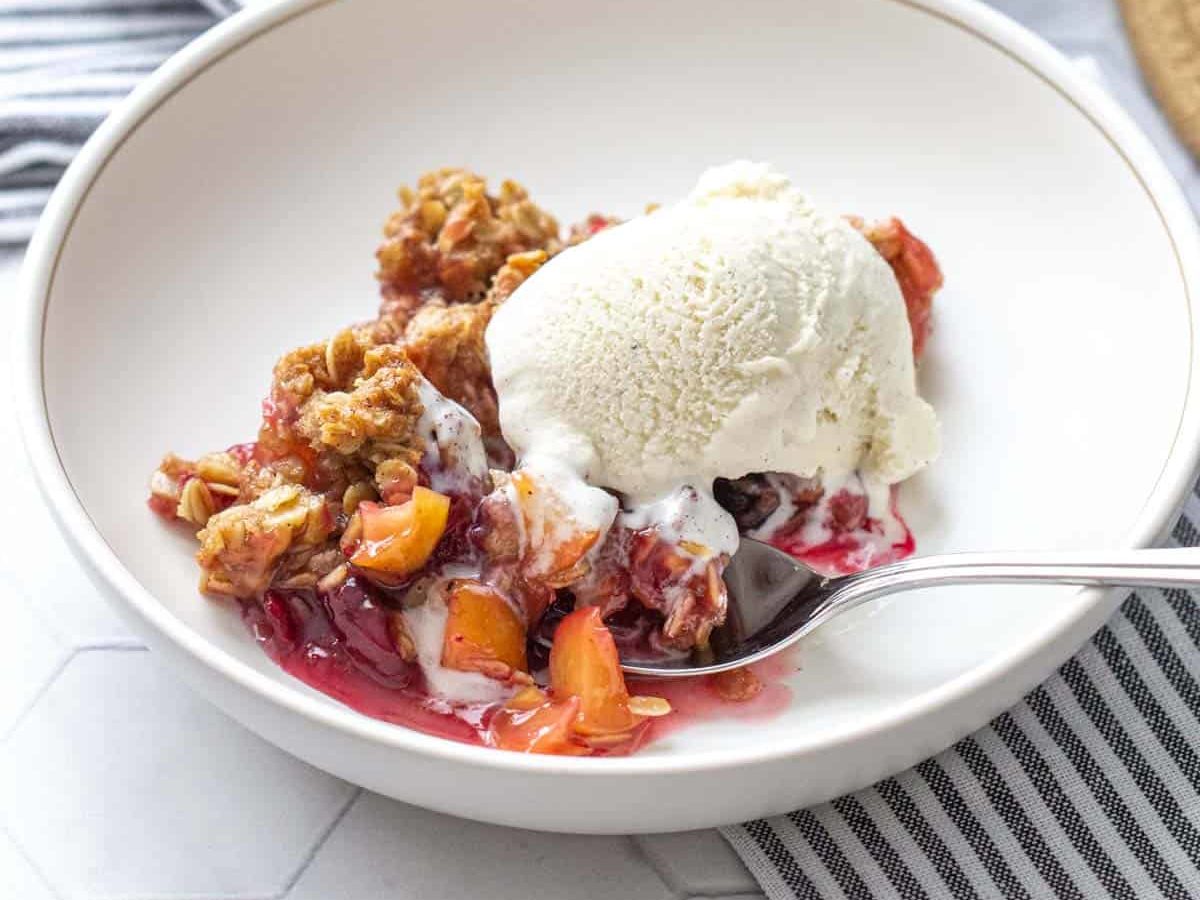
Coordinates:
(1166, 37)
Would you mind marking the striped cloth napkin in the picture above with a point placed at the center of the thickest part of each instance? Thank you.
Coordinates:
(1090, 788)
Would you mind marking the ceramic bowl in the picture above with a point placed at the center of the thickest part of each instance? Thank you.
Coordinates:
(229, 210)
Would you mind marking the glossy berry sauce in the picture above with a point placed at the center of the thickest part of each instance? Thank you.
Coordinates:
(338, 642)
(845, 553)
(334, 644)
(300, 631)
(850, 538)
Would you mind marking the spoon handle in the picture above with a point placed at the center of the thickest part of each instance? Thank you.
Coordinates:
(1175, 567)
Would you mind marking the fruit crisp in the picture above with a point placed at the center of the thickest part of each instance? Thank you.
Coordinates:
(383, 547)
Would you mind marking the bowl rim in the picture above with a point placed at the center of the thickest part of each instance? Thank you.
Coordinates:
(1156, 517)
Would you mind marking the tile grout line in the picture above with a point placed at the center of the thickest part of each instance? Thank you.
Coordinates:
(30, 861)
(648, 858)
(679, 885)
(41, 692)
(104, 646)
(67, 658)
(120, 645)
(322, 838)
(111, 646)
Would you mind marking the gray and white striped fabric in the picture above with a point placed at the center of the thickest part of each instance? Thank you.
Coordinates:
(1090, 788)
(63, 65)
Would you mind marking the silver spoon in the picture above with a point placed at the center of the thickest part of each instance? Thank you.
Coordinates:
(775, 600)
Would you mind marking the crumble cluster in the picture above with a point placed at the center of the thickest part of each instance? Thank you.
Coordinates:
(340, 420)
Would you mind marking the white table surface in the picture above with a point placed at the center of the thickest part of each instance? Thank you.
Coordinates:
(117, 782)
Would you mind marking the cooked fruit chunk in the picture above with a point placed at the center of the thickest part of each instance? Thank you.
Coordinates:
(584, 664)
(546, 728)
(484, 633)
(373, 643)
(555, 543)
(529, 697)
(736, 685)
(400, 539)
(916, 270)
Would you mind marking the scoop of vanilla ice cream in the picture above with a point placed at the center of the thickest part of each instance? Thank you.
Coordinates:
(740, 330)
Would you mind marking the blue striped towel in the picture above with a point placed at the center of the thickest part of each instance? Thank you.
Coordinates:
(1090, 788)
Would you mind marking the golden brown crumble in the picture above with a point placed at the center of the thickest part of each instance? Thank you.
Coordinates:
(513, 273)
(446, 341)
(395, 479)
(258, 478)
(332, 365)
(450, 237)
(446, 344)
(376, 418)
(305, 567)
(194, 490)
(240, 546)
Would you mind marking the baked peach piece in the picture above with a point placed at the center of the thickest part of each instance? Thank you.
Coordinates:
(400, 539)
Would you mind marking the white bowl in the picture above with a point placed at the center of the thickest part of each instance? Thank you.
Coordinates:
(229, 211)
